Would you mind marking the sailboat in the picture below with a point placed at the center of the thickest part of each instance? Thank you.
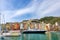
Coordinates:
(0, 26)
(1, 36)
(0, 32)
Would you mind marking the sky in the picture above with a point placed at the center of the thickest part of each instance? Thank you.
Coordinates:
(19, 10)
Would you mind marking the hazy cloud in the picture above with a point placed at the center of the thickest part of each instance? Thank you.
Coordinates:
(39, 8)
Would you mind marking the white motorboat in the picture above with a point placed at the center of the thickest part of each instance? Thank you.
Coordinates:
(12, 33)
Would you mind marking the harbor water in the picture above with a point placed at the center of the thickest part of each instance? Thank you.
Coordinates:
(47, 36)
(34, 37)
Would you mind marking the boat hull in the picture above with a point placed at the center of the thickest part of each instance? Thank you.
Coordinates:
(34, 32)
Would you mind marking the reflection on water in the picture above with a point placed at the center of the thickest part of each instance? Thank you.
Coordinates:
(47, 36)
(34, 37)
(12, 38)
(55, 35)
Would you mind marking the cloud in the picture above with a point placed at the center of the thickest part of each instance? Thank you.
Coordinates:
(22, 11)
(47, 7)
(37, 8)
(40, 8)
(7, 6)
(30, 8)
(52, 8)
(5, 16)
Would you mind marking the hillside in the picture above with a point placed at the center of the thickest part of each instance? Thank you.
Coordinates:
(50, 19)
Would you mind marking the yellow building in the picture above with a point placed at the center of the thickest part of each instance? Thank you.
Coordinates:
(8, 26)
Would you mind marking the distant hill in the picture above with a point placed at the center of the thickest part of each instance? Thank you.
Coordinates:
(50, 19)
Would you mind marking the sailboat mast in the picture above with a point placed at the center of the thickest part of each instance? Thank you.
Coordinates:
(4, 27)
(0, 24)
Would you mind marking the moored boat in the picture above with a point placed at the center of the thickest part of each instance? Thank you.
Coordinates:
(12, 33)
(34, 31)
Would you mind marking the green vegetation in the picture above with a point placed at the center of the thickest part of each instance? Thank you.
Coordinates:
(50, 19)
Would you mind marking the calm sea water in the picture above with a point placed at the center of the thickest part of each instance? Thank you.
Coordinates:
(12, 38)
(34, 37)
(50, 36)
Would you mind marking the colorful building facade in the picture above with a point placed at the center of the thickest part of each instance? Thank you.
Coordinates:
(15, 26)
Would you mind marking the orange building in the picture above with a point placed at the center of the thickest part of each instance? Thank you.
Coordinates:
(15, 26)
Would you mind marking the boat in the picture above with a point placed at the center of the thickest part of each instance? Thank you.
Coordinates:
(12, 33)
(1, 35)
(8, 33)
(34, 31)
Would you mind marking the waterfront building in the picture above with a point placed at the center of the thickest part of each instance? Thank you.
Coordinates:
(37, 26)
(40, 27)
(59, 26)
(51, 27)
(21, 25)
(47, 28)
(15, 26)
(25, 26)
(3, 27)
(56, 26)
(43, 25)
(56, 23)
(12, 26)
(0, 29)
(32, 25)
(8, 26)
